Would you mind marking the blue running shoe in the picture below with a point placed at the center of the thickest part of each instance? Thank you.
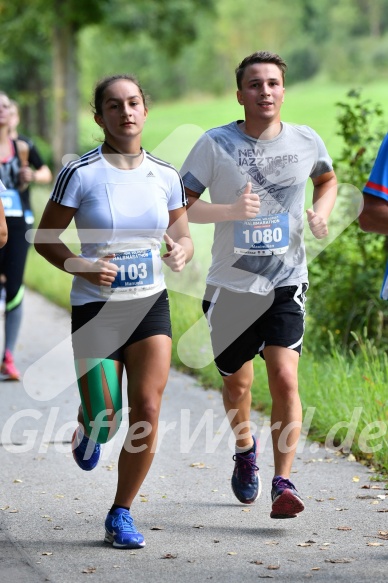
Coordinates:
(120, 531)
(86, 456)
(246, 483)
(286, 502)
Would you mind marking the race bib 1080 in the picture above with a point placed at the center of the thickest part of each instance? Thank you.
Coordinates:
(267, 235)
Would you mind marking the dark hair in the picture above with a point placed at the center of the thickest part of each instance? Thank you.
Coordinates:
(259, 57)
(105, 83)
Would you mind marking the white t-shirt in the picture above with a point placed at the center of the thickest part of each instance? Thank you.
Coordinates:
(124, 212)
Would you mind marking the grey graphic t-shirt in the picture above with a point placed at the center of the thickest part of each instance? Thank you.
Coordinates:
(266, 252)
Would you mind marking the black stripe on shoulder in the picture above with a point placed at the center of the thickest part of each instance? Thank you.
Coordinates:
(159, 161)
(67, 172)
(167, 165)
(91, 153)
(185, 201)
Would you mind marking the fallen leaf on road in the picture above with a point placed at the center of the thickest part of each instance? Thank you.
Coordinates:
(273, 567)
(256, 562)
(338, 560)
(382, 510)
(304, 544)
(89, 570)
(198, 465)
(198, 526)
(156, 528)
(315, 568)
(356, 479)
(383, 533)
(343, 528)
(169, 556)
(232, 553)
(47, 553)
(17, 481)
(370, 544)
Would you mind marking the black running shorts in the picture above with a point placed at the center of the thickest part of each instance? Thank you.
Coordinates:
(243, 324)
(105, 329)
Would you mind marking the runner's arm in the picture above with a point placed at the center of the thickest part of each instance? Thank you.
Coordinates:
(180, 248)
(324, 196)
(3, 226)
(246, 206)
(55, 220)
(374, 215)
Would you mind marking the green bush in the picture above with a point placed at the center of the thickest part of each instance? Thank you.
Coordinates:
(346, 277)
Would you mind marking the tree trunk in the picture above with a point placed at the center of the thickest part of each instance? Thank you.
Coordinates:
(65, 90)
(375, 14)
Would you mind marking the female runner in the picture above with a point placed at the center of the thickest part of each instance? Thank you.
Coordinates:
(123, 200)
(16, 175)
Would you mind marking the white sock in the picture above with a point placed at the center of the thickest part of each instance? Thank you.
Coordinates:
(243, 449)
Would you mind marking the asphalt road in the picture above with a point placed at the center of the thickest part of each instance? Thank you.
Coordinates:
(52, 514)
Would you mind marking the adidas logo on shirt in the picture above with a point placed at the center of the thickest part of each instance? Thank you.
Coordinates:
(150, 175)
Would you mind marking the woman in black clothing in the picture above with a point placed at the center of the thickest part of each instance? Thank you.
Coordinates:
(16, 175)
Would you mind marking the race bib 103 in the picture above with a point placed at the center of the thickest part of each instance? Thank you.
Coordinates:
(135, 269)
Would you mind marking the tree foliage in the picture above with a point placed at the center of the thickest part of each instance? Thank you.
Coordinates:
(60, 23)
(346, 278)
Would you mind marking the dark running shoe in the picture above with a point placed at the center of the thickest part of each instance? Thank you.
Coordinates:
(286, 502)
(87, 453)
(246, 483)
(120, 531)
